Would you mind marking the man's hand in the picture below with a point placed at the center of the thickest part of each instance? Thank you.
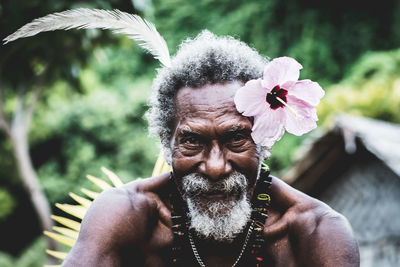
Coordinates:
(303, 231)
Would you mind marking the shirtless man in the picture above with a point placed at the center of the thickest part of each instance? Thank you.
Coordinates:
(215, 166)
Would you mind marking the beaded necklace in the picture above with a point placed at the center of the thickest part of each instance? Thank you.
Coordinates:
(254, 241)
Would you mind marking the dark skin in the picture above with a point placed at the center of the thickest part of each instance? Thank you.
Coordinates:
(131, 225)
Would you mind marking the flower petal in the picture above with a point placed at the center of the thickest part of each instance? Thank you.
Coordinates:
(250, 99)
(281, 70)
(308, 91)
(270, 141)
(304, 120)
(268, 127)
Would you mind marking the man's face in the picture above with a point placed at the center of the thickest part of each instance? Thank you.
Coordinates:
(214, 158)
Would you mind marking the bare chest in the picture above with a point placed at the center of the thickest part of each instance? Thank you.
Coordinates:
(158, 252)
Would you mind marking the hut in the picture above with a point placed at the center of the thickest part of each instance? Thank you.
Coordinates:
(355, 169)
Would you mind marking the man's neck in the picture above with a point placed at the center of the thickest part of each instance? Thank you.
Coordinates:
(211, 246)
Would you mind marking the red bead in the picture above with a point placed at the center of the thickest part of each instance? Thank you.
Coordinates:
(259, 259)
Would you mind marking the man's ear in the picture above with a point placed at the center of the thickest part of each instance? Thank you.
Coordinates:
(169, 151)
(264, 152)
(168, 155)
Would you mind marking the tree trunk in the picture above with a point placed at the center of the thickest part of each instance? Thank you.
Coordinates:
(17, 132)
(30, 181)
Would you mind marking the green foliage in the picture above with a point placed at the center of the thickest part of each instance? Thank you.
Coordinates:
(6, 260)
(125, 62)
(8, 172)
(32, 256)
(283, 153)
(75, 135)
(371, 89)
(67, 52)
(325, 37)
(7, 204)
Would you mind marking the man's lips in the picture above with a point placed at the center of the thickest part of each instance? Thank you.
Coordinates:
(217, 195)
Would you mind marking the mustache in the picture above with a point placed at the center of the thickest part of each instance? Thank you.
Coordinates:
(195, 184)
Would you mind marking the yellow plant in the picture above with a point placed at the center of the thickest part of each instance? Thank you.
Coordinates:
(67, 234)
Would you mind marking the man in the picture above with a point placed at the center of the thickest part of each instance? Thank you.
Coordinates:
(216, 165)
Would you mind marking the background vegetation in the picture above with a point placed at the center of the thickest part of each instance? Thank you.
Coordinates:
(94, 87)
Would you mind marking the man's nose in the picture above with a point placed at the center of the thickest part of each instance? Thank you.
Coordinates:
(215, 165)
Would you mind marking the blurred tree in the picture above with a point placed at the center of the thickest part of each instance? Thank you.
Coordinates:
(77, 134)
(27, 67)
(371, 89)
(32, 256)
(7, 204)
(326, 38)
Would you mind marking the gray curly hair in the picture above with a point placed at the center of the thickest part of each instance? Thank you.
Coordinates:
(206, 59)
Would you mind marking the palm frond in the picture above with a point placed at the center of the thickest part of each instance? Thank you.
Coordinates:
(161, 166)
(113, 177)
(100, 183)
(75, 210)
(91, 194)
(61, 238)
(74, 225)
(81, 200)
(69, 234)
(57, 254)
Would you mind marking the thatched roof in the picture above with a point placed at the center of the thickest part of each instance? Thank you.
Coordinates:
(380, 138)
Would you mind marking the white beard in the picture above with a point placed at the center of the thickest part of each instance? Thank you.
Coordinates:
(219, 220)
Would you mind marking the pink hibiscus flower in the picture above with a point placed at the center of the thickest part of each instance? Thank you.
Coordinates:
(279, 102)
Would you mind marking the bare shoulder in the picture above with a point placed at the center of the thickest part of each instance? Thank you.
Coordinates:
(128, 208)
(323, 234)
(118, 218)
(319, 235)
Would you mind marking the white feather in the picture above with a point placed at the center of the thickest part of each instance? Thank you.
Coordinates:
(136, 28)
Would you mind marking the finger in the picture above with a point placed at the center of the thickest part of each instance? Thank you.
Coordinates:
(277, 227)
(154, 184)
(283, 195)
(165, 214)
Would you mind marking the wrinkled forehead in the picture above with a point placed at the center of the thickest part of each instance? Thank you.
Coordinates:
(208, 99)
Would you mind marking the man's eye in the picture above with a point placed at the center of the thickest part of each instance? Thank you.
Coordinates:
(238, 137)
(191, 141)
(238, 140)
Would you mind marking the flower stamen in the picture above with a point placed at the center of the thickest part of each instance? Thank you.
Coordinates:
(289, 107)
